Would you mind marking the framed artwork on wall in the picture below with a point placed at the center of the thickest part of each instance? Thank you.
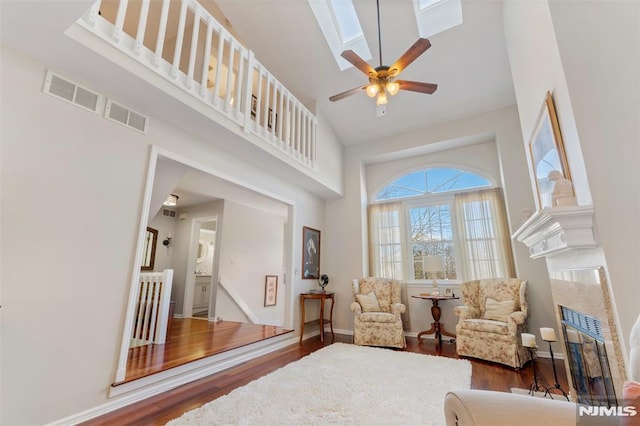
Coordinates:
(310, 253)
(549, 160)
(254, 105)
(270, 290)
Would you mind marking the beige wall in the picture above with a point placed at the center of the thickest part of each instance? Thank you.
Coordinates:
(72, 188)
(490, 142)
(588, 55)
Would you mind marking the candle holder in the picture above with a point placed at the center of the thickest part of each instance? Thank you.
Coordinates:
(535, 386)
(556, 385)
(529, 342)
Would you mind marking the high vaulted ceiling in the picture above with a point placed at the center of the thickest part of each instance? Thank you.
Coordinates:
(468, 62)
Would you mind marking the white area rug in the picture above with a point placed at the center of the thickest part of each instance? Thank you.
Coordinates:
(342, 384)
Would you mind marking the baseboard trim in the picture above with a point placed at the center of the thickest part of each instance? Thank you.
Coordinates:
(130, 393)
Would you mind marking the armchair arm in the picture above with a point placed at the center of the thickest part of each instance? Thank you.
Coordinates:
(465, 312)
(515, 320)
(474, 407)
(355, 307)
(398, 308)
(517, 317)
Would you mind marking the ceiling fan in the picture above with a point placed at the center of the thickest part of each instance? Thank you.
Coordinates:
(382, 79)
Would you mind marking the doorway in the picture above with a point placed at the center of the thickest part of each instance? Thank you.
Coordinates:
(204, 272)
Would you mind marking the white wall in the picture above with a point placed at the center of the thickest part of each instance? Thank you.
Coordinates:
(588, 55)
(164, 255)
(181, 246)
(73, 182)
(251, 247)
(606, 102)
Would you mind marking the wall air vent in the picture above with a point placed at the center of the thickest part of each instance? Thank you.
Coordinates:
(125, 116)
(71, 92)
(169, 213)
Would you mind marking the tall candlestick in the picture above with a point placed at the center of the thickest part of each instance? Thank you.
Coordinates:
(529, 340)
(548, 334)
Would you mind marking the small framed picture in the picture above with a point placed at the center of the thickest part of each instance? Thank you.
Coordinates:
(270, 290)
(270, 123)
(448, 292)
(254, 105)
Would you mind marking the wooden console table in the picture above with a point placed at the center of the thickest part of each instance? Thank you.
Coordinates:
(436, 326)
(322, 296)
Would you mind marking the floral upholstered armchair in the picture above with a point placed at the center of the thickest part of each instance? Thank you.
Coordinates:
(376, 303)
(492, 319)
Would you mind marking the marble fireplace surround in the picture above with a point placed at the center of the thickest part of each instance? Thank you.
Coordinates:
(585, 290)
(555, 234)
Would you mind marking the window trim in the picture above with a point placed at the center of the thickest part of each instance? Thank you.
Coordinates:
(388, 181)
(422, 201)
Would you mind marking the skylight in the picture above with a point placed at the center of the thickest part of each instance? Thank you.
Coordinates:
(346, 19)
(423, 4)
(341, 28)
(436, 16)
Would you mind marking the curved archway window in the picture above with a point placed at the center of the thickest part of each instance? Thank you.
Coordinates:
(448, 213)
(431, 181)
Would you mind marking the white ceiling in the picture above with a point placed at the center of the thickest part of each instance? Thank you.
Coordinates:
(469, 63)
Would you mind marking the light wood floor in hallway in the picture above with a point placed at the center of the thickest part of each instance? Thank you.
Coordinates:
(160, 409)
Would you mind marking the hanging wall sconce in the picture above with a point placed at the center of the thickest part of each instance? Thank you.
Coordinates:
(167, 241)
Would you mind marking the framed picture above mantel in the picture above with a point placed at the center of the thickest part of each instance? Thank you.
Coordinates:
(310, 253)
(548, 157)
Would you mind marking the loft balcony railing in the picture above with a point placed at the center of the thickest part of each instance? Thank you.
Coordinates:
(182, 42)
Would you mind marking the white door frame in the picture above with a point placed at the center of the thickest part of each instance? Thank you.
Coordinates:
(190, 274)
(156, 151)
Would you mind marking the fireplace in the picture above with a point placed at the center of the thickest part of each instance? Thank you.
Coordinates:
(587, 359)
(593, 355)
(593, 358)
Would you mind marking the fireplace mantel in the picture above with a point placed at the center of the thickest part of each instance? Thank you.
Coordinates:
(552, 231)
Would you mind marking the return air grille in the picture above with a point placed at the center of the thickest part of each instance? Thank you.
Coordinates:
(125, 116)
(169, 213)
(71, 92)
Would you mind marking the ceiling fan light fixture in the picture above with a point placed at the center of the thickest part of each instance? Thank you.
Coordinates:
(382, 98)
(392, 87)
(372, 90)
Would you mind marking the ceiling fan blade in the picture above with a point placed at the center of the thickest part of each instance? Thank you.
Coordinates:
(416, 86)
(358, 62)
(347, 93)
(418, 48)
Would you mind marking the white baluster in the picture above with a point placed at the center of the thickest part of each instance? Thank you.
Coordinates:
(227, 97)
(204, 82)
(142, 26)
(248, 92)
(194, 47)
(177, 52)
(119, 24)
(216, 89)
(162, 30)
(239, 77)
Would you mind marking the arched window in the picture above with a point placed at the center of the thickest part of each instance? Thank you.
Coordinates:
(431, 181)
(454, 214)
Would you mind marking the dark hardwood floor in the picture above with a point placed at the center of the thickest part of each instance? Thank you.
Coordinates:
(160, 409)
